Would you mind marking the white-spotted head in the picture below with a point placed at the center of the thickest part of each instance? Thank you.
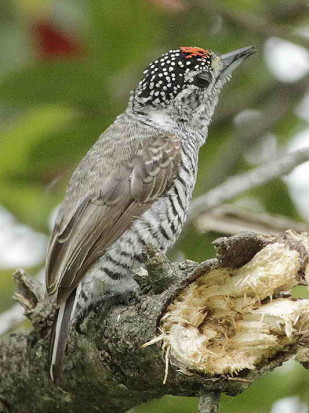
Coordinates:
(185, 80)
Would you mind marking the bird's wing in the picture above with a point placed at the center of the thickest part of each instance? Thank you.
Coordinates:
(125, 191)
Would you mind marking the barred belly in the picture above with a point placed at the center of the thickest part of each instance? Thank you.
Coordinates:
(159, 226)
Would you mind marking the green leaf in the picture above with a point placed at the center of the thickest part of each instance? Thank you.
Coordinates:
(28, 130)
(289, 380)
(61, 149)
(122, 32)
(276, 198)
(30, 204)
(78, 83)
(169, 404)
(28, 200)
(7, 288)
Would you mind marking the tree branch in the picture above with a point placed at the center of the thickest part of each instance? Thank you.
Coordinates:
(281, 100)
(239, 184)
(110, 367)
(209, 402)
(231, 219)
(254, 23)
(15, 315)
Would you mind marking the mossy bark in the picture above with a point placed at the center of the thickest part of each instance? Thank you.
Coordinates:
(106, 369)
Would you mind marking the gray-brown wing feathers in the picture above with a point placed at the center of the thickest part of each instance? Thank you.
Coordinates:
(124, 192)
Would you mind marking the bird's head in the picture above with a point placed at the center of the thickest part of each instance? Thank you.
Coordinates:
(184, 83)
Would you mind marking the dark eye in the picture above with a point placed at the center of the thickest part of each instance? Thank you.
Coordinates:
(203, 80)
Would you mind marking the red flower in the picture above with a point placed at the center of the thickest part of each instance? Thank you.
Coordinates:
(50, 41)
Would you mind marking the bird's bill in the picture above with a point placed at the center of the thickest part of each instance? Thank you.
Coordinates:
(233, 59)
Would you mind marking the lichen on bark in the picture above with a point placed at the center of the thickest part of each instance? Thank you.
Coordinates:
(108, 369)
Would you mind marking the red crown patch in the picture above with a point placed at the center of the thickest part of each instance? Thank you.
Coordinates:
(195, 51)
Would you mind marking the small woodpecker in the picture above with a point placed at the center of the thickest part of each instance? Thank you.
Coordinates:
(133, 186)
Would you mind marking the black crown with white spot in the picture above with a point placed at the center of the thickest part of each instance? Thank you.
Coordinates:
(165, 77)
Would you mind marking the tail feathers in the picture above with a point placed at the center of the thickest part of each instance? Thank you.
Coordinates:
(59, 337)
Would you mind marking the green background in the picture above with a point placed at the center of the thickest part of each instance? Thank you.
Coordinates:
(54, 105)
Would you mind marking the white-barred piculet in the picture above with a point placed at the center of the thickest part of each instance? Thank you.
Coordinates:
(133, 186)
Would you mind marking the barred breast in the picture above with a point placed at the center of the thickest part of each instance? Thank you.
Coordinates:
(159, 226)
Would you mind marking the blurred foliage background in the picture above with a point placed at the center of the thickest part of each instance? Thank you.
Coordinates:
(66, 70)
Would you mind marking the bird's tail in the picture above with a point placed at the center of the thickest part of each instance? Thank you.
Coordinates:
(59, 336)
